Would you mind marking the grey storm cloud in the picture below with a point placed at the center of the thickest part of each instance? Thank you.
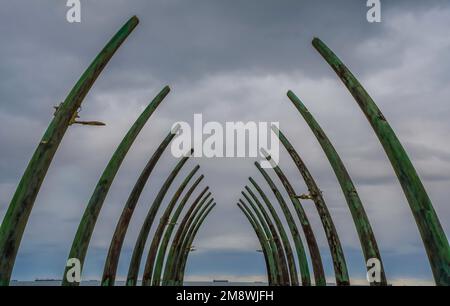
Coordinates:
(230, 61)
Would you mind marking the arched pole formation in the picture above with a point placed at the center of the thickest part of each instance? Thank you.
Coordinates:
(259, 208)
(112, 259)
(316, 259)
(272, 250)
(282, 275)
(301, 254)
(188, 248)
(136, 257)
(19, 210)
(430, 228)
(284, 238)
(337, 253)
(156, 280)
(87, 224)
(171, 256)
(163, 222)
(364, 229)
(174, 259)
(265, 247)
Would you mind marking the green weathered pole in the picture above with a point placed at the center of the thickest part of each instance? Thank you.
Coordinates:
(188, 247)
(278, 254)
(430, 228)
(301, 254)
(284, 238)
(168, 234)
(163, 223)
(112, 259)
(363, 227)
(171, 256)
(136, 257)
(316, 259)
(337, 253)
(87, 224)
(16, 218)
(263, 241)
(281, 252)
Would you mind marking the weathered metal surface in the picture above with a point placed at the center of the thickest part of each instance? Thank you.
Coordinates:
(263, 241)
(172, 257)
(112, 259)
(16, 218)
(316, 259)
(87, 224)
(430, 228)
(163, 222)
(284, 237)
(281, 253)
(301, 254)
(187, 242)
(156, 280)
(363, 227)
(136, 257)
(278, 254)
(337, 253)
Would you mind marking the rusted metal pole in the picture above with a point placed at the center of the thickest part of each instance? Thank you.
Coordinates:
(281, 253)
(163, 222)
(263, 241)
(284, 238)
(135, 262)
(156, 280)
(366, 236)
(430, 228)
(316, 259)
(172, 258)
(112, 259)
(19, 210)
(187, 242)
(277, 250)
(301, 254)
(87, 224)
(337, 253)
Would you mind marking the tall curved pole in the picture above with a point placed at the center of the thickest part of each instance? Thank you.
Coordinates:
(171, 256)
(266, 235)
(262, 238)
(156, 280)
(430, 228)
(366, 236)
(303, 262)
(112, 259)
(174, 263)
(188, 248)
(136, 257)
(19, 210)
(163, 222)
(316, 259)
(284, 237)
(185, 239)
(87, 224)
(282, 276)
(276, 237)
(337, 253)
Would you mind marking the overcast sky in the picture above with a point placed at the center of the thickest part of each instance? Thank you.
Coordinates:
(230, 61)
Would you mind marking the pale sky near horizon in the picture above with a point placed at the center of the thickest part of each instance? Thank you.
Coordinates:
(229, 61)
